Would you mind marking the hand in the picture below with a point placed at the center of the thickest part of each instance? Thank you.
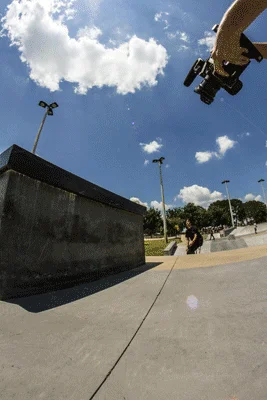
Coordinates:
(227, 50)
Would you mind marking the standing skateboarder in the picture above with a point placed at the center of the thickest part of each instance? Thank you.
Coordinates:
(212, 234)
(255, 228)
(193, 238)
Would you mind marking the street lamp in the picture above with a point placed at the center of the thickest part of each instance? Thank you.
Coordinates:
(49, 111)
(231, 212)
(162, 195)
(260, 181)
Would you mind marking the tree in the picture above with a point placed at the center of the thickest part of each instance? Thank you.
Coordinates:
(256, 210)
(172, 223)
(197, 214)
(219, 213)
(238, 209)
(174, 217)
(152, 221)
(208, 218)
(190, 212)
(201, 218)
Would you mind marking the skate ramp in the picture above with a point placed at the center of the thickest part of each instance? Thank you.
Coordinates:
(249, 229)
(226, 244)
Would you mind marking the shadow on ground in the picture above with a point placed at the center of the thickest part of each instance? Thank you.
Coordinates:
(46, 301)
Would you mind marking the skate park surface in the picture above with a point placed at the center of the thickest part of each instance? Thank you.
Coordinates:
(242, 237)
(177, 327)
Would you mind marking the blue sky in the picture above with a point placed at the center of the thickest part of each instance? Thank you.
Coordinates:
(116, 70)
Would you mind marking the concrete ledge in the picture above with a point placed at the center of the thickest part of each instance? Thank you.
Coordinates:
(170, 249)
(17, 159)
(52, 237)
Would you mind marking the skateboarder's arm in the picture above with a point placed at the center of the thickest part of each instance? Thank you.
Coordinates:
(262, 48)
(239, 16)
(194, 239)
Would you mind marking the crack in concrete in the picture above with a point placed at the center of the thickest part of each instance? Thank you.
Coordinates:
(128, 345)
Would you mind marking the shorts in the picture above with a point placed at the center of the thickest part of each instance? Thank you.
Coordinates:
(192, 250)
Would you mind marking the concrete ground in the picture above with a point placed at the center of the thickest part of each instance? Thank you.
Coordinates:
(182, 328)
(223, 244)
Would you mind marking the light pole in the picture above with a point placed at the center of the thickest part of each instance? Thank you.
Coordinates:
(231, 212)
(260, 181)
(162, 195)
(49, 111)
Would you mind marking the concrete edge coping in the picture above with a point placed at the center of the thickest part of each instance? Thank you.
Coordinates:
(168, 251)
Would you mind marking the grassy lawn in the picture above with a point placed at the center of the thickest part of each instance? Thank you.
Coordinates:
(156, 247)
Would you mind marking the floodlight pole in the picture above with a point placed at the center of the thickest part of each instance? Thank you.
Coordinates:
(261, 181)
(163, 201)
(49, 111)
(231, 212)
(39, 132)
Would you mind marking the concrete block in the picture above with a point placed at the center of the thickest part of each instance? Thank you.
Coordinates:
(58, 230)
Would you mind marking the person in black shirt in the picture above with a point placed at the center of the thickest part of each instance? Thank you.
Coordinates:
(192, 237)
(212, 233)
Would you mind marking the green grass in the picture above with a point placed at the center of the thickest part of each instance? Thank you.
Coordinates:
(156, 247)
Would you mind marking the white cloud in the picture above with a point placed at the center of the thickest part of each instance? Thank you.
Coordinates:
(250, 197)
(151, 147)
(182, 36)
(171, 35)
(183, 47)
(199, 195)
(158, 206)
(113, 42)
(208, 40)
(241, 135)
(153, 204)
(204, 156)
(91, 33)
(224, 144)
(158, 18)
(137, 201)
(38, 33)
